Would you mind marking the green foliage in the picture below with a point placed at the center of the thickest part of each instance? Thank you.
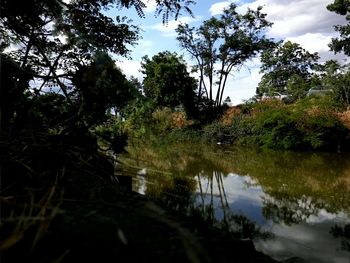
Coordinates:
(275, 128)
(14, 82)
(218, 133)
(102, 86)
(138, 118)
(287, 67)
(309, 124)
(53, 40)
(297, 87)
(342, 43)
(167, 81)
(336, 78)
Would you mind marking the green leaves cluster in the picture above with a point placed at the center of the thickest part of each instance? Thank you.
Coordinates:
(102, 86)
(342, 43)
(287, 67)
(167, 81)
(308, 124)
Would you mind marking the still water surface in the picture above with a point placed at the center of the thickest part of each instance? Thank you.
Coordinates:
(293, 205)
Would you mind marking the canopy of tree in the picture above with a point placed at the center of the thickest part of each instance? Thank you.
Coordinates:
(222, 44)
(167, 81)
(284, 64)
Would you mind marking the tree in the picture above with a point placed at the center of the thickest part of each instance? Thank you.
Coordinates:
(51, 40)
(336, 77)
(53, 37)
(226, 43)
(286, 67)
(101, 87)
(167, 81)
(341, 7)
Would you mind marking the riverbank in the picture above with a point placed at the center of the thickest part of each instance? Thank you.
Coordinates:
(311, 124)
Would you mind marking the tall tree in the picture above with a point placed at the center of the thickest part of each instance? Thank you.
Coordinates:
(167, 81)
(222, 44)
(284, 64)
(342, 43)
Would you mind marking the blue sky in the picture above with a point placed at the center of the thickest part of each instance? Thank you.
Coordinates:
(306, 22)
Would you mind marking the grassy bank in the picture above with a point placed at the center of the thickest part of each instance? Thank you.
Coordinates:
(310, 124)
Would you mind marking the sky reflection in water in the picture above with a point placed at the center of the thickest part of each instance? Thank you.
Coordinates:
(296, 197)
(310, 240)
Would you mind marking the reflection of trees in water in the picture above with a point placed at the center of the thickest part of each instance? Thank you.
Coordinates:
(282, 175)
(344, 234)
(289, 210)
(178, 194)
(297, 185)
(238, 224)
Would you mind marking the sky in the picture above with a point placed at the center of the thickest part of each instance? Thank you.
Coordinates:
(306, 22)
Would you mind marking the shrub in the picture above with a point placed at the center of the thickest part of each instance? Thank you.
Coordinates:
(218, 132)
(310, 124)
(275, 128)
(322, 129)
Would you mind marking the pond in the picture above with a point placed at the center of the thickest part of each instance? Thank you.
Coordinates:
(292, 205)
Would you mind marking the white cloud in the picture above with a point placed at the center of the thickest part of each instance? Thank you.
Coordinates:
(151, 6)
(297, 17)
(130, 68)
(217, 8)
(308, 41)
(306, 22)
(169, 28)
(242, 86)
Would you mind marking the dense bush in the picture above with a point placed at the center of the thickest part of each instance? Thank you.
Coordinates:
(310, 124)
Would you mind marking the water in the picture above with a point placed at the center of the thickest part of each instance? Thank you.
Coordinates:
(293, 205)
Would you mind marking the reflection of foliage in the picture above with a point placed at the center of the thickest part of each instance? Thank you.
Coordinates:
(344, 233)
(298, 184)
(246, 228)
(178, 194)
(237, 224)
(290, 210)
